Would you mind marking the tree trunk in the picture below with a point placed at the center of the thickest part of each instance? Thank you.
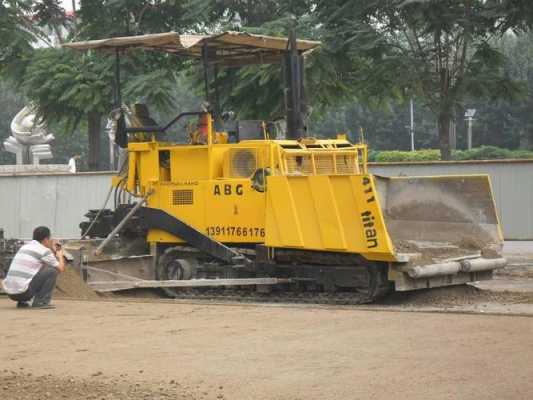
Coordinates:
(445, 112)
(93, 129)
(444, 135)
(529, 115)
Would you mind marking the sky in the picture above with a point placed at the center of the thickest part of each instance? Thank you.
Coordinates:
(67, 4)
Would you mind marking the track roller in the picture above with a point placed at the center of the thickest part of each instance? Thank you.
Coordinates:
(171, 267)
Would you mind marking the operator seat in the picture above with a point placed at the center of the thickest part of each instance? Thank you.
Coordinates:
(250, 130)
(141, 117)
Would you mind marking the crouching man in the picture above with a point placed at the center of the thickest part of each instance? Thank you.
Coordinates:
(33, 271)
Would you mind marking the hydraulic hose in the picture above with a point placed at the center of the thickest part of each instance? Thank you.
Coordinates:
(98, 213)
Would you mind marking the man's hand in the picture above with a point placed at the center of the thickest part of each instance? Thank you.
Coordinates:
(61, 259)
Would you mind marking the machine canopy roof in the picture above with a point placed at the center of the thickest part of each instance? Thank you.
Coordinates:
(228, 48)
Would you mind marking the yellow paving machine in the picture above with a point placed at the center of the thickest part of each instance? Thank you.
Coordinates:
(275, 209)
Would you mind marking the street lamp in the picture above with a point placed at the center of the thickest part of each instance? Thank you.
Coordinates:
(469, 117)
(411, 127)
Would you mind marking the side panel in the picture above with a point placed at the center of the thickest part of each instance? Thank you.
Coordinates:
(329, 213)
(189, 163)
(201, 192)
(228, 210)
(235, 213)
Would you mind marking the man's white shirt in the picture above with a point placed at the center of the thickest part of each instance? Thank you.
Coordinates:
(26, 264)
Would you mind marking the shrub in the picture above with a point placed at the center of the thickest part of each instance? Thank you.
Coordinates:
(372, 155)
(483, 153)
(396, 156)
(479, 153)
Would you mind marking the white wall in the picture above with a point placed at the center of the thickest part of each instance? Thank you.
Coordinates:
(60, 200)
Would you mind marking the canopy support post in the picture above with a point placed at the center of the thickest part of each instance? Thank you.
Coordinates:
(121, 137)
(216, 106)
(205, 60)
(118, 94)
(294, 89)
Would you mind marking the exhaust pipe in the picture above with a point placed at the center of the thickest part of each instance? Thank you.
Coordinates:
(482, 264)
(454, 267)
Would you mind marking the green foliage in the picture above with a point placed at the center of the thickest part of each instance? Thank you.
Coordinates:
(153, 87)
(69, 142)
(480, 153)
(258, 91)
(398, 156)
(67, 85)
(385, 128)
(17, 35)
(375, 56)
(49, 13)
(491, 153)
(439, 51)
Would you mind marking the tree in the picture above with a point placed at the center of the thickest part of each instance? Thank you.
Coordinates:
(439, 51)
(17, 33)
(148, 78)
(521, 52)
(266, 82)
(67, 86)
(384, 128)
(70, 86)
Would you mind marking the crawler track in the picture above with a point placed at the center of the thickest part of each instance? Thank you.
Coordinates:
(251, 296)
(378, 287)
(372, 284)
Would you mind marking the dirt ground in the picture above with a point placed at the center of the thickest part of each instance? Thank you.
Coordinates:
(139, 350)
(137, 346)
(18, 385)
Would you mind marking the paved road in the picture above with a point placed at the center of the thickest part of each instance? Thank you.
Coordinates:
(237, 352)
(518, 247)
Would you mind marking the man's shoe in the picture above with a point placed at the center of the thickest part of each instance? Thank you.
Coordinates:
(43, 306)
(23, 304)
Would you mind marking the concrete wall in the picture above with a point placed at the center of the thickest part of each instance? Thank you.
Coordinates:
(56, 200)
(60, 200)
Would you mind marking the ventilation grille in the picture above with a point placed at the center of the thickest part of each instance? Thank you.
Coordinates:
(243, 163)
(324, 164)
(347, 164)
(180, 197)
(299, 165)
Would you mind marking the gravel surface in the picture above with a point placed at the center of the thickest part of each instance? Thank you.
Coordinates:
(463, 295)
(238, 352)
(70, 286)
(136, 346)
(17, 385)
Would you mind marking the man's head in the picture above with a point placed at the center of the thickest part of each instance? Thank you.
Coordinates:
(43, 235)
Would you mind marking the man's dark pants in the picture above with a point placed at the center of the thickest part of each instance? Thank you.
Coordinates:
(41, 287)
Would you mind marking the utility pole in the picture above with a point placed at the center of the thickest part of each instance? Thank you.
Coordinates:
(412, 126)
(469, 116)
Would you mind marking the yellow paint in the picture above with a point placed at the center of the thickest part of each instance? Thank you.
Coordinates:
(327, 213)
(319, 195)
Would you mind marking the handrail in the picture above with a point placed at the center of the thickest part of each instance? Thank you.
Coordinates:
(162, 129)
